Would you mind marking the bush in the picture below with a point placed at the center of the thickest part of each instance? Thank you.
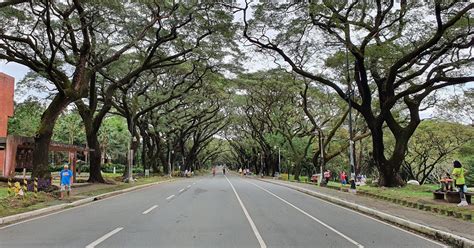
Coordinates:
(109, 168)
(55, 167)
(138, 169)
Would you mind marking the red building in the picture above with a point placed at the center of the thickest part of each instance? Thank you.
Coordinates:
(7, 86)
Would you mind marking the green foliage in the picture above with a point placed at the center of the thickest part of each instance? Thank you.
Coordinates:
(69, 129)
(432, 148)
(26, 119)
(114, 138)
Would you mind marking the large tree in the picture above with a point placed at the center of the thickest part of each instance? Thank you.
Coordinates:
(60, 42)
(171, 40)
(399, 55)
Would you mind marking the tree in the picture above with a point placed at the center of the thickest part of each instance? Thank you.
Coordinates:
(167, 41)
(458, 108)
(26, 119)
(58, 41)
(431, 145)
(398, 58)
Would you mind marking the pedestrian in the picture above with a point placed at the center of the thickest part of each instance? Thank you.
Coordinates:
(240, 171)
(65, 180)
(223, 170)
(327, 176)
(213, 171)
(458, 175)
(343, 178)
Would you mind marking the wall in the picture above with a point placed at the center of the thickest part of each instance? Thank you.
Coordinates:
(7, 84)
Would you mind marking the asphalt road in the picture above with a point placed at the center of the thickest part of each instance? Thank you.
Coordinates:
(209, 212)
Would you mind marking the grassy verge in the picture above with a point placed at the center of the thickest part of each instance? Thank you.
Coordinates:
(284, 177)
(29, 202)
(3, 190)
(420, 197)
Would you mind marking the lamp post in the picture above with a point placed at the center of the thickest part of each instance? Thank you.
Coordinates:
(321, 155)
(349, 97)
(130, 160)
(351, 132)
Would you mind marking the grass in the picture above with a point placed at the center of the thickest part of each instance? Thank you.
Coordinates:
(3, 191)
(422, 194)
(19, 204)
(284, 177)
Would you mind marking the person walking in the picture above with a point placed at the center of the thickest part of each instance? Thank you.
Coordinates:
(65, 180)
(343, 178)
(327, 176)
(240, 171)
(458, 175)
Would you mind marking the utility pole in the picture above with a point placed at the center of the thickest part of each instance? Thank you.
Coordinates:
(131, 153)
(321, 155)
(169, 161)
(349, 97)
(279, 160)
(351, 132)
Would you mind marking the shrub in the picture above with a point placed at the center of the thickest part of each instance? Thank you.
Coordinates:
(109, 168)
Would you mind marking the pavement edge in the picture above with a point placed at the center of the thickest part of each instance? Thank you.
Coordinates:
(450, 238)
(41, 211)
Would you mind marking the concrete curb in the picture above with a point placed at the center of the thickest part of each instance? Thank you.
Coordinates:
(450, 238)
(38, 212)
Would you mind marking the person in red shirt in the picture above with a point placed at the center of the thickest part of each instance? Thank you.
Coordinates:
(343, 177)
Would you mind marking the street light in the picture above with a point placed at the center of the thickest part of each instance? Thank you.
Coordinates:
(349, 97)
(321, 155)
(130, 160)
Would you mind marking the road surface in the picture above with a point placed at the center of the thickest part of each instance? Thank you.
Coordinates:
(206, 212)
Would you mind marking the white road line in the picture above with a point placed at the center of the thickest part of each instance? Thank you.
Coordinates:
(372, 218)
(254, 228)
(150, 209)
(189, 186)
(310, 216)
(72, 208)
(181, 190)
(103, 238)
(169, 197)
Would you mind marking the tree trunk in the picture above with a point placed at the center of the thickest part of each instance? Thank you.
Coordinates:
(95, 160)
(388, 169)
(43, 137)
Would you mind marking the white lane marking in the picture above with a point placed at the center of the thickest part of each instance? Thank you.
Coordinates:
(194, 183)
(254, 228)
(310, 216)
(75, 207)
(189, 186)
(169, 197)
(103, 238)
(367, 216)
(150, 209)
(181, 190)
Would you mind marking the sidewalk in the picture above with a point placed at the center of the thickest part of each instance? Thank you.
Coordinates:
(448, 224)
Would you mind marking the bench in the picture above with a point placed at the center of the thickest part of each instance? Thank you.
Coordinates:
(438, 195)
(451, 196)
